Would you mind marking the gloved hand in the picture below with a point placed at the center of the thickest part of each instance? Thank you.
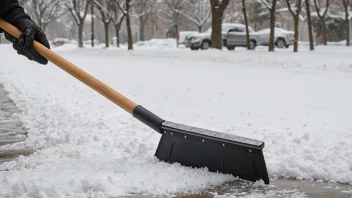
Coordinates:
(24, 44)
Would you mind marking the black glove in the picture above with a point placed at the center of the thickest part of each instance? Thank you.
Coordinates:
(24, 44)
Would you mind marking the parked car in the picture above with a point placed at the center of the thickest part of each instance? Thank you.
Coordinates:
(60, 41)
(203, 40)
(183, 34)
(237, 36)
(283, 38)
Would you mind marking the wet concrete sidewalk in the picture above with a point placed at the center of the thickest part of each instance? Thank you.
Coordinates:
(278, 188)
(12, 130)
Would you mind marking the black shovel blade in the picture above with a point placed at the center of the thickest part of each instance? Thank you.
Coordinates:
(219, 152)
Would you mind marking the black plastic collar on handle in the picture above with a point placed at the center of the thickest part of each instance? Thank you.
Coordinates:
(148, 118)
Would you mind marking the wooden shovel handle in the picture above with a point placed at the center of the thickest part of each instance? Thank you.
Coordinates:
(78, 73)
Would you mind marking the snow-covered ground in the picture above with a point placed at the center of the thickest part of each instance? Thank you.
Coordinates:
(298, 104)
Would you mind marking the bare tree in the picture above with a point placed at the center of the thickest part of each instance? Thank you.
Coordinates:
(45, 11)
(173, 11)
(259, 13)
(126, 8)
(92, 24)
(310, 28)
(271, 6)
(105, 17)
(233, 12)
(78, 10)
(143, 9)
(118, 14)
(246, 23)
(198, 12)
(321, 12)
(346, 4)
(295, 12)
(217, 10)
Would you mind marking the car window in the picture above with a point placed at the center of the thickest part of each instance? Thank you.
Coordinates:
(239, 29)
(242, 29)
(233, 30)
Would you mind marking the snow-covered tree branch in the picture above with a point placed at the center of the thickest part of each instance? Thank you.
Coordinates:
(105, 16)
(322, 7)
(174, 7)
(45, 11)
(143, 9)
(117, 16)
(125, 8)
(295, 11)
(233, 12)
(198, 12)
(78, 10)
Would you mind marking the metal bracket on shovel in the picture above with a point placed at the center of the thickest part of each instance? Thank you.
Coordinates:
(189, 146)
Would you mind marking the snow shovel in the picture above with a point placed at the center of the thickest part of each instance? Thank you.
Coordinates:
(189, 146)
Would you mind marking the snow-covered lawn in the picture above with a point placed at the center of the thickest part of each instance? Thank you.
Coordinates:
(300, 105)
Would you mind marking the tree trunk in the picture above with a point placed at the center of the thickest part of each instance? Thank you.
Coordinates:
(295, 43)
(40, 24)
(117, 30)
(347, 23)
(200, 28)
(128, 24)
(92, 27)
(80, 34)
(216, 36)
(106, 28)
(272, 31)
(45, 25)
(141, 29)
(176, 33)
(117, 34)
(348, 40)
(272, 26)
(310, 29)
(246, 23)
(176, 17)
(325, 36)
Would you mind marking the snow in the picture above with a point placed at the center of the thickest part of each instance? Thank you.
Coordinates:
(277, 30)
(298, 104)
(157, 43)
(184, 34)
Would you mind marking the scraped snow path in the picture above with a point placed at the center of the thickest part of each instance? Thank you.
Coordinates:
(88, 146)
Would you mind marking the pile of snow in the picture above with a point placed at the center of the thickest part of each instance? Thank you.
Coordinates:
(87, 146)
(330, 43)
(157, 44)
